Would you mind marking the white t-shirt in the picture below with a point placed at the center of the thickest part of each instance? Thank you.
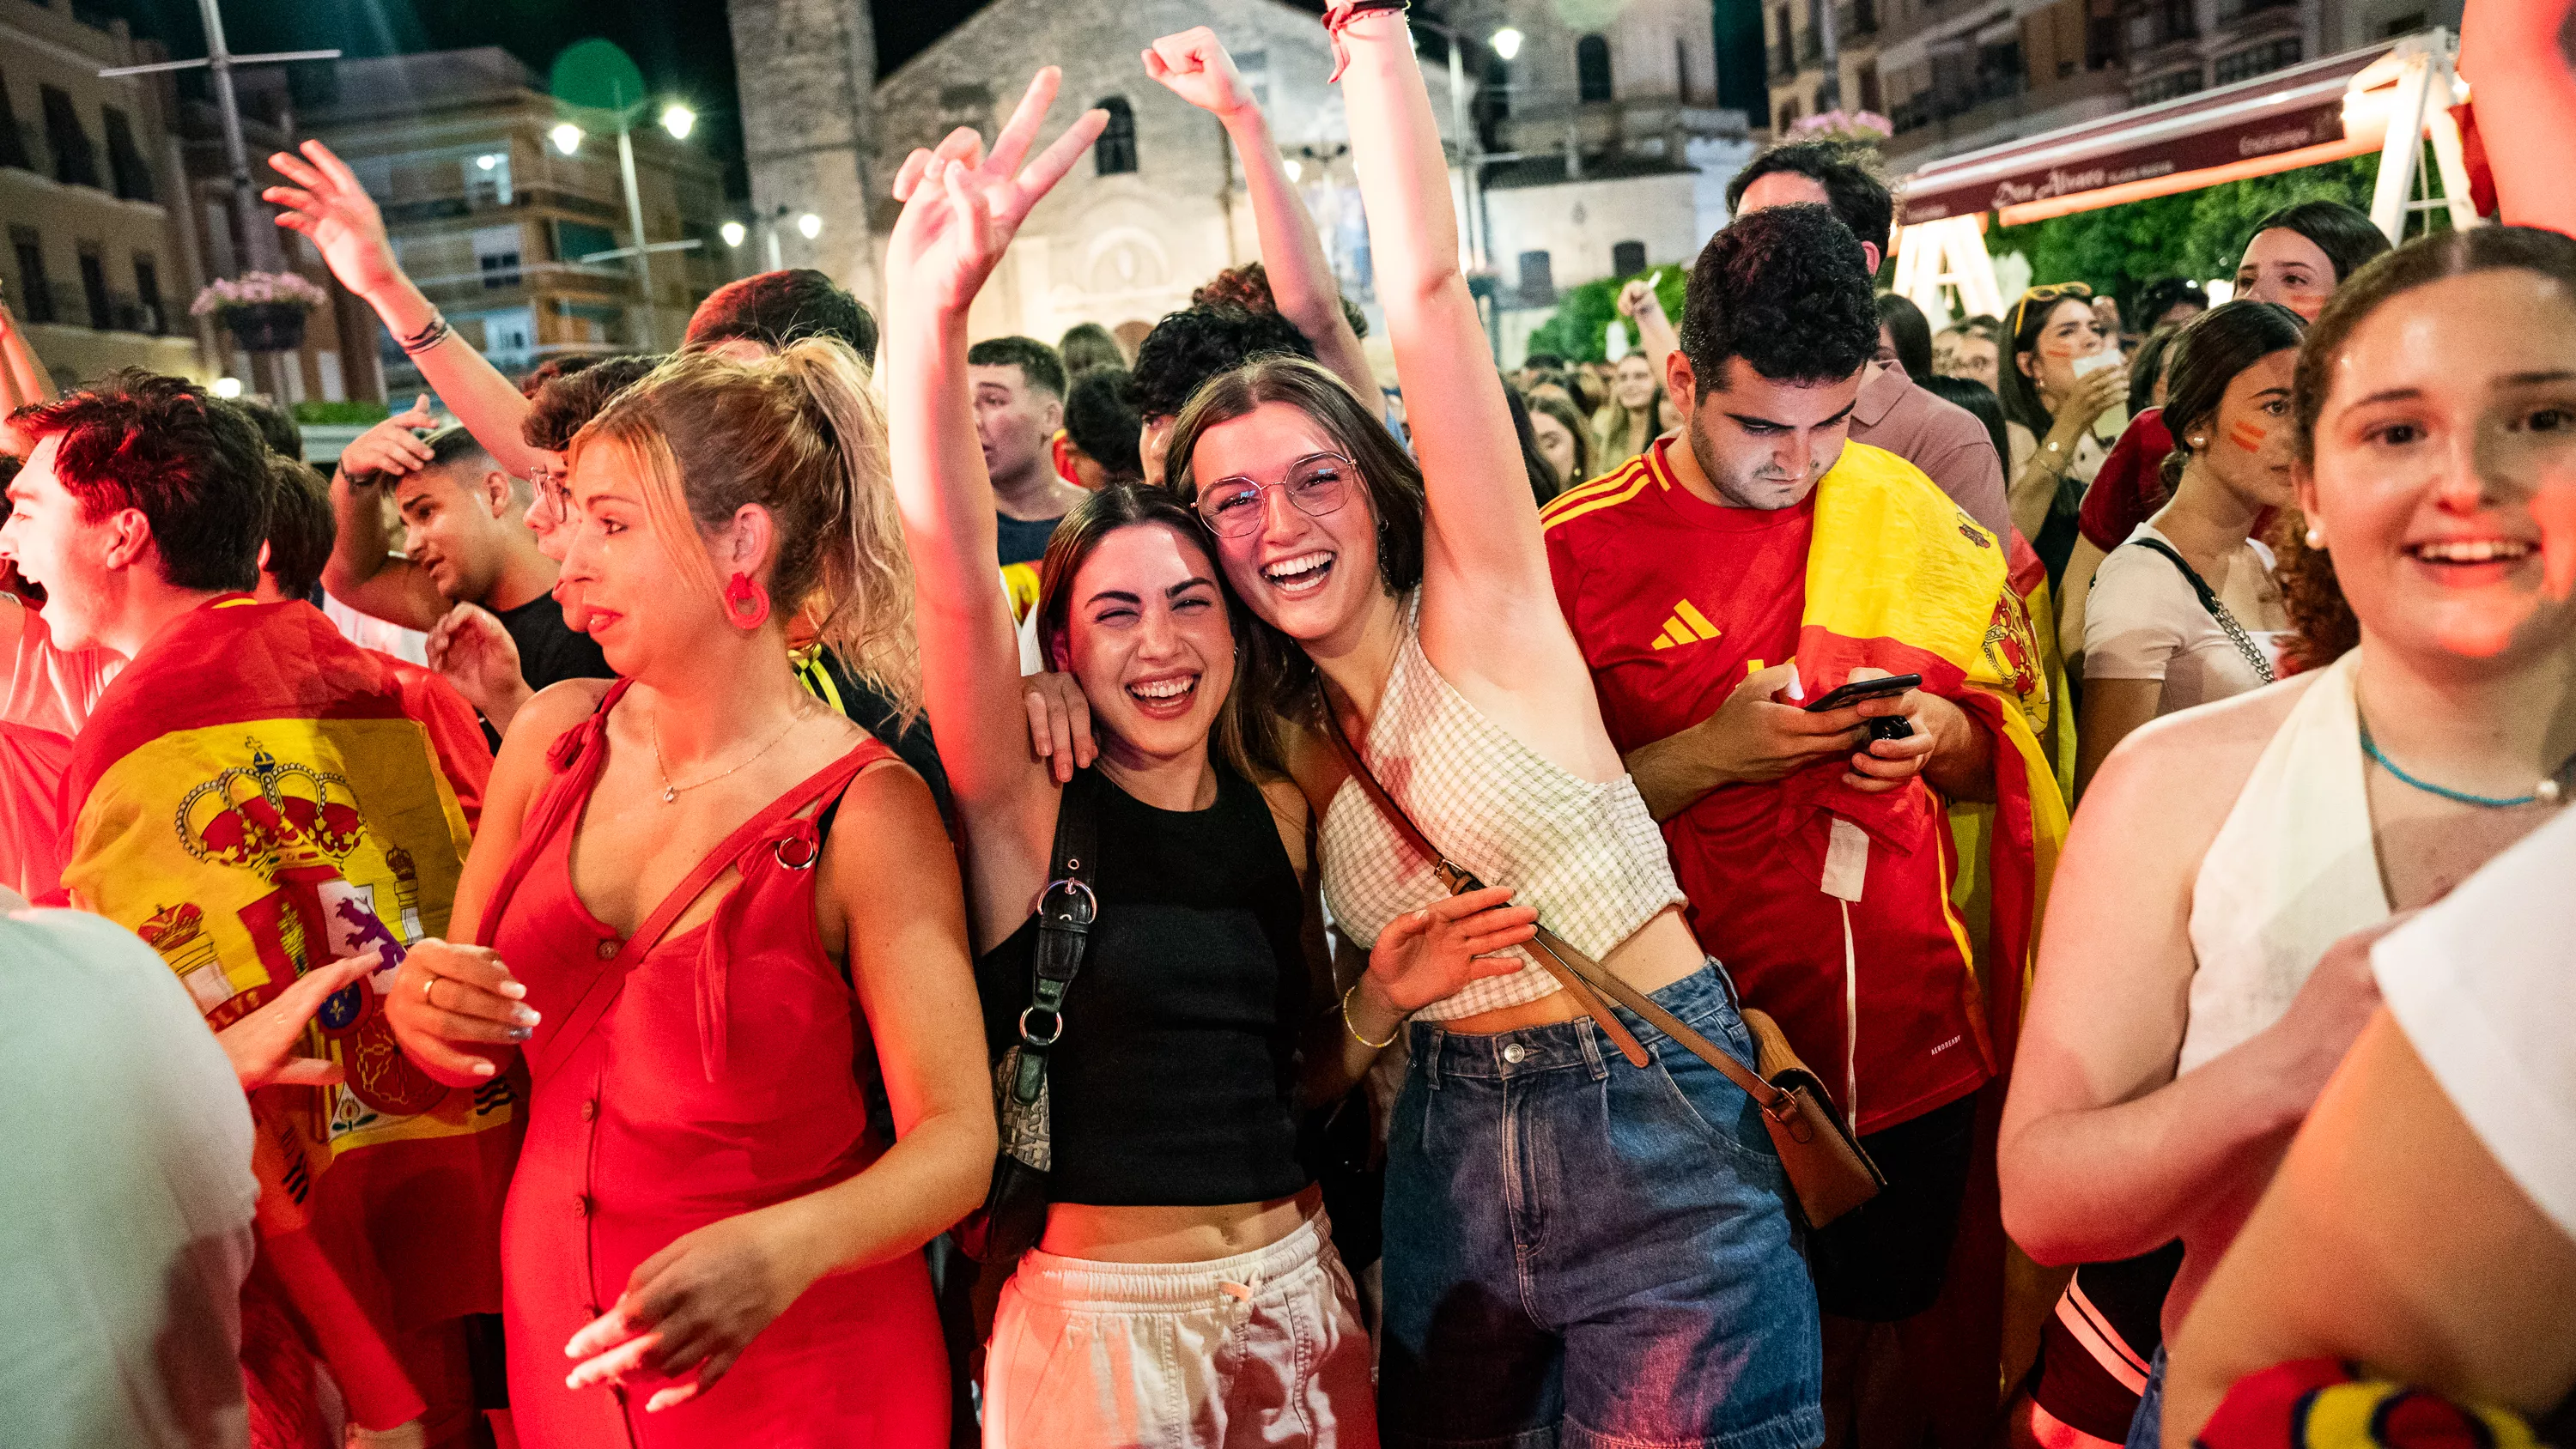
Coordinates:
(2484, 985)
(125, 1209)
(2142, 621)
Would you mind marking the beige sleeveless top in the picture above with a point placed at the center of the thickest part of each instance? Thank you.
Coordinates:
(1588, 855)
(2291, 871)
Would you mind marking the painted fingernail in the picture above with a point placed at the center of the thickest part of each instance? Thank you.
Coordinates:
(482, 1069)
(524, 1016)
(513, 989)
(521, 1033)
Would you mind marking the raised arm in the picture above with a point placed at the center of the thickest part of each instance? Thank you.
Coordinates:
(1194, 65)
(2511, 53)
(23, 379)
(363, 571)
(961, 209)
(334, 212)
(1489, 607)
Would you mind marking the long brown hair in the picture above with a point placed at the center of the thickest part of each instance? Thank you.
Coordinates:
(1248, 737)
(1275, 672)
(2327, 626)
(799, 434)
(2018, 390)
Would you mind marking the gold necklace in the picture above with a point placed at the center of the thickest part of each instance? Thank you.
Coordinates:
(671, 792)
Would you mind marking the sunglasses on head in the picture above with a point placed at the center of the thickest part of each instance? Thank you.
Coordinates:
(2054, 292)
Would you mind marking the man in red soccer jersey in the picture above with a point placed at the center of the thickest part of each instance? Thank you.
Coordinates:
(1717, 584)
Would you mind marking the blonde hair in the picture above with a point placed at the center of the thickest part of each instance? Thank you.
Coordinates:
(800, 434)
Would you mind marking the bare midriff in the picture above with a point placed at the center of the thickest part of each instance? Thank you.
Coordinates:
(1662, 952)
(1106, 1234)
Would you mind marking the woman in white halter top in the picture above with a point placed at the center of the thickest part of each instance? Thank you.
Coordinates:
(2192, 996)
(1572, 1238)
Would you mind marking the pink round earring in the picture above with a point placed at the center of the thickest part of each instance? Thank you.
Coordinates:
(746, 602)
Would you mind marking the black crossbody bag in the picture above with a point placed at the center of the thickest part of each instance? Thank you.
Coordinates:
(1015, 1205)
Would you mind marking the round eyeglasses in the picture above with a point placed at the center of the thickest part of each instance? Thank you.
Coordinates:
(1316, 484)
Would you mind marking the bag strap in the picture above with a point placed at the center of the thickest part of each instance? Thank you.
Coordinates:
(1065, 913)
(1461, 880)
(2218, 610)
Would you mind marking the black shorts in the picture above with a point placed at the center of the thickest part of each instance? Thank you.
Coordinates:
(1886, 1259)
(2095, 1349)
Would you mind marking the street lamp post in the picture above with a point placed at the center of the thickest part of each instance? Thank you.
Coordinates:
(219, 62)
(808, 226)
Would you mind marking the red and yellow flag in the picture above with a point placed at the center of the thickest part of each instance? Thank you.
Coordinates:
(1898, 578)
(256, 796)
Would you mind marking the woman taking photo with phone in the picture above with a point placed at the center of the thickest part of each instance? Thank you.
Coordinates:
(1409, 612)
(2187, 1007)
(2188, 610)
(719, 921)
(2053, 394)
(1186, 1272)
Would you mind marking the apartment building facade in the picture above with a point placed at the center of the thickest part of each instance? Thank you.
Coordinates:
(1959, 75)
(503, 227)
(97, 266)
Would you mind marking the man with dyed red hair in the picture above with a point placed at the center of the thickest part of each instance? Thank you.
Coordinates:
(266, 805)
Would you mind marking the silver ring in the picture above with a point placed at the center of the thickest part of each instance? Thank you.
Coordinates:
(428, 986)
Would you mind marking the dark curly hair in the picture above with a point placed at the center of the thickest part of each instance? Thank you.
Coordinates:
(1248, 287)
(570, 399)
(1101, 423)
(1852, 188)
(777, 308)
(1187, 348)
(1787, 290)
(195, 468)
(2326, 624)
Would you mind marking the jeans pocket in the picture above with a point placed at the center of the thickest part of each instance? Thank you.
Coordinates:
(1711, 1105)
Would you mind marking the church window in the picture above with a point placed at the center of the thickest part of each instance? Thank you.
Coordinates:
(1114, 154)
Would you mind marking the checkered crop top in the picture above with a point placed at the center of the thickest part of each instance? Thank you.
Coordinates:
(1588, 856)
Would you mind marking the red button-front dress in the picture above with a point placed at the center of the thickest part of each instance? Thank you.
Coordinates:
(680, 1081)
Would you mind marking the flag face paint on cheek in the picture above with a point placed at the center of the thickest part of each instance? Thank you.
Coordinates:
(2248, 436)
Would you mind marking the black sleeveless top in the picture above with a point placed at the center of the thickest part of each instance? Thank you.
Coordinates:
(1176, 1081)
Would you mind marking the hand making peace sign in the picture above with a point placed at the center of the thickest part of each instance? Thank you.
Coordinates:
(962, 207)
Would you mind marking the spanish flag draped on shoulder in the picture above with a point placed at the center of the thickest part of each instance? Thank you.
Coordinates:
(257, 796)
(1898, 578)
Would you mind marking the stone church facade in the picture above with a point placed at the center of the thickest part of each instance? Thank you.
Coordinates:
(1156, 210)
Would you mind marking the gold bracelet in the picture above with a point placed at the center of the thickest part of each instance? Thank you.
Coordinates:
(1355, 1031)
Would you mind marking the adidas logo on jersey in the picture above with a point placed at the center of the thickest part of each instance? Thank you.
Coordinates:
(1686, 626)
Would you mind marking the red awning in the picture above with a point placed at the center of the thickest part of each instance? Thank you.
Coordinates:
(2295, 110)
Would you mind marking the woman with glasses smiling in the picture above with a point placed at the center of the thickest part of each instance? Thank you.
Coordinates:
(1584, 1235)
(1185, 1278)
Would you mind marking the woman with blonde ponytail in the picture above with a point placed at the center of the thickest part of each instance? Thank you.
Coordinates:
(706, 978)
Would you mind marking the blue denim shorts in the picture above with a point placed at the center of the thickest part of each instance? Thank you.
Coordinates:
(1582, 1253)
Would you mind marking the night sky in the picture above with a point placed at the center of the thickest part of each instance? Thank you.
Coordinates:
(683, 46)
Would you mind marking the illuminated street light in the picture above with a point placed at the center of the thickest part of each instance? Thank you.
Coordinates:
(1295, 169)
(732, 233)
(567, 137)
(486, 161)
(678, 119)
(809, 226)
(228, 387)
(1507, 42)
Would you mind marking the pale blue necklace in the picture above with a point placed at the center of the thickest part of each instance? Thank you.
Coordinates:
(2545, 792)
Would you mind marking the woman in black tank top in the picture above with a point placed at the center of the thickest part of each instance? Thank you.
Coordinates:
(1186, 1269)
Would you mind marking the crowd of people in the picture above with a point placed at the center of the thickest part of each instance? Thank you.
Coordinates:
(851, 886)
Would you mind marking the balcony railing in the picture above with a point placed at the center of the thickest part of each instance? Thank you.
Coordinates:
(67, 304)
(2231, 11)
(1856, 19)
(1811, 50)
(439, 208)
(1784, 62)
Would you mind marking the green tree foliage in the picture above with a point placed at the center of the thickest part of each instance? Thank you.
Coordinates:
(2198, 234)
(1580, 330)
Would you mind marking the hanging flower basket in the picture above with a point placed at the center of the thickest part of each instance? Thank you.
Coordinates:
(264, 311)
(1852, 128)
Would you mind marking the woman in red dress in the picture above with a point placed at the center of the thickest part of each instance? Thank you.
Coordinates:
(708, 979)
